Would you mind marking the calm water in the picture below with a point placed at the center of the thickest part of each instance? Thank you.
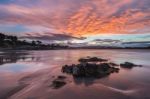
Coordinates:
(128, 83)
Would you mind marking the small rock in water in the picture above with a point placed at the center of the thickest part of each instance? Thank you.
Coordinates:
(58, 84)
(128, 65)
(92, 59)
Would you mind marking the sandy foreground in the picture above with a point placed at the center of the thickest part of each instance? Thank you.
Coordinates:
(37, 85)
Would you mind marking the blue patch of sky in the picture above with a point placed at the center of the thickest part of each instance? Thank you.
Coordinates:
(122, 37)
(13, 29)
(6, 1)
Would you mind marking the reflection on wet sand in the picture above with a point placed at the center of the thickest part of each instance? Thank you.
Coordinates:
(12, 91)
(132, 84)
(85, 81)
(13, 57)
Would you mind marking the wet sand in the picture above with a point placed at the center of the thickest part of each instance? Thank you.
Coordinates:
(37, 86)
(127, 84)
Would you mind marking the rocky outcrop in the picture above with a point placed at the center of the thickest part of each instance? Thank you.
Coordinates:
(94, 67)
(87, 69)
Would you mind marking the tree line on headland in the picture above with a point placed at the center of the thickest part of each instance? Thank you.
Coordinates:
(13, 42)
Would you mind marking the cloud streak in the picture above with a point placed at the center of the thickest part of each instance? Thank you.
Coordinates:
(50, 37)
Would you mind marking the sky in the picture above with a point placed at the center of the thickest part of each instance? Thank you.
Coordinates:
(78, 22)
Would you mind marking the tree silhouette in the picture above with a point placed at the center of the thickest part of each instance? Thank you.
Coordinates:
(2, 38)
(38, 42)
(8, 41)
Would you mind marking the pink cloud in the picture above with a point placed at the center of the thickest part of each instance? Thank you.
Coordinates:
(80, 17)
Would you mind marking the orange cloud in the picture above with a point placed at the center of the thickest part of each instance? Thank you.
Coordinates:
(81, 17)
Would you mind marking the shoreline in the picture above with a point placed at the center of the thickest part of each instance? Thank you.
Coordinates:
(16, 49)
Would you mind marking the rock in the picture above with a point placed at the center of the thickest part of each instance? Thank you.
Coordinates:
(116, 69)
(61, 77)
(75, 70)
(90, 70)
(92, 59)
(67, 69)
(58, 84)
(128, 65)
(104, 66)
(113, 64)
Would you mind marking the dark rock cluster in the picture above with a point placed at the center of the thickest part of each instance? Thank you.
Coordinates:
(88, 68)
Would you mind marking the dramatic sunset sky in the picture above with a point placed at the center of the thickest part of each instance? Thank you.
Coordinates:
(78, 22)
